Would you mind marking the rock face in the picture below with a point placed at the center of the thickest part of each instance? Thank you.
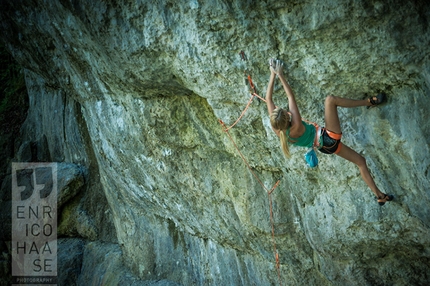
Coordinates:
(133, 92)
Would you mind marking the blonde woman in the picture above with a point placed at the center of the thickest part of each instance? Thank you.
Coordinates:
(291, 129)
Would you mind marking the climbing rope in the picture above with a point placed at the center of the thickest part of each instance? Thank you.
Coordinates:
(253, 95)
(269, 192)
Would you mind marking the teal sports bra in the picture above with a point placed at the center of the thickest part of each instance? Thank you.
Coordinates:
(307, 139)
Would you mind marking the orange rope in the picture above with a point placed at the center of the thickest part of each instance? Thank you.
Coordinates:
(269, 192)
(246, 162)
(275, 251)
(263, 99)
(246, 108)
(241, 115)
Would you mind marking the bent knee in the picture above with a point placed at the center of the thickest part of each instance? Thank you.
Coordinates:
(361, 161)
(331, 99)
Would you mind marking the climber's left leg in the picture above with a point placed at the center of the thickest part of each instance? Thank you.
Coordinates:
(352, 156)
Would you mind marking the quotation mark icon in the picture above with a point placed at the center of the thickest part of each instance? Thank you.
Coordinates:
(38, 179)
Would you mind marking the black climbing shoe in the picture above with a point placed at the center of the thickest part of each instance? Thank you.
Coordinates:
(386, 198)
(377, 100)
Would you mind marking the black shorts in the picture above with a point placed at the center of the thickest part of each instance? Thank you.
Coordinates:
(331, 142)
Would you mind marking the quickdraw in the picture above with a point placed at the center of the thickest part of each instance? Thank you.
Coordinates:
(243, 56)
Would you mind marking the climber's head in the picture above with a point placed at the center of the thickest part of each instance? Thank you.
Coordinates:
(280, 119)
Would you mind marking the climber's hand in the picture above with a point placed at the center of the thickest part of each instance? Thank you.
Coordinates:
(276, 66)
(272, 65)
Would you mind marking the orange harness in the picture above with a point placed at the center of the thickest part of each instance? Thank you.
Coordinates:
(319, 131)
(335, 136)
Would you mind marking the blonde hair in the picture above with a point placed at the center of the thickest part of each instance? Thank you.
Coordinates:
(280, 120)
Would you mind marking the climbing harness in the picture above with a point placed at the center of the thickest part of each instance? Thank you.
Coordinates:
(268, 191)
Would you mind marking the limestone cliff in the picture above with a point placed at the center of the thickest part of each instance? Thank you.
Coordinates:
(133, 91)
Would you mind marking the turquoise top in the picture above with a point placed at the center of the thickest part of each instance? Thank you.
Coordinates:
(307, 139)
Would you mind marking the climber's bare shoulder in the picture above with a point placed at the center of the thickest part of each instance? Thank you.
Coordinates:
(297, 128)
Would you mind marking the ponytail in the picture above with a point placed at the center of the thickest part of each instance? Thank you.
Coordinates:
(284, 144)
(280, 120)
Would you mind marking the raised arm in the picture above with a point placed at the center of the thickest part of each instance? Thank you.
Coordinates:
(269, 101)
(292, 105)
(297, 128)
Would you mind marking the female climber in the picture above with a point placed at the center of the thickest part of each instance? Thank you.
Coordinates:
(291, 129)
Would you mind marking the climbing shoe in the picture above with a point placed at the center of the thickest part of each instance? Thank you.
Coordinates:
(386, 198)
(377, 100)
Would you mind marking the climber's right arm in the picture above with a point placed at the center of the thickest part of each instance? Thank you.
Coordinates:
(269, 101)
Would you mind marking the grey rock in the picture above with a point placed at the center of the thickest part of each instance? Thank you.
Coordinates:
(134, 92)
(24, 153)
(69, 260)
(103, 265)
(71, 178)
